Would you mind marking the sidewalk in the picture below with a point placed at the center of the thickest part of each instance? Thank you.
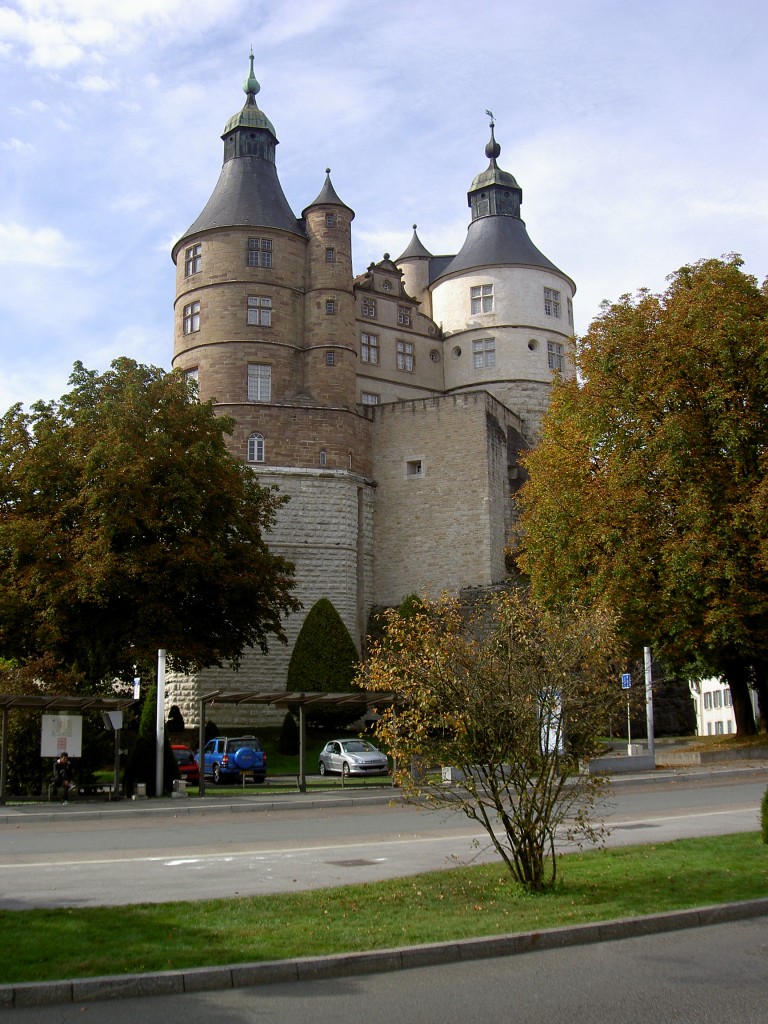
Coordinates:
(255, 802)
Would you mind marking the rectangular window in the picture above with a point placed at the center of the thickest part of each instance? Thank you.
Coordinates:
(330, 307)
(193, 260)
(330, 358)
(330, 255)
(404, 316)
(330, 220)
(259, 311)
(551, 302)
(259, 252)
(727, 699)
(717, 699)
(190, 376)
(555, 355)
(484, 353)
(414, 467)
(368, 398)
(259, 382)
(570, 312)
(192, 318)
(369, 348)
(707, 700)
(481, 299)
(405, 356)
(718, 728)
(369, 307)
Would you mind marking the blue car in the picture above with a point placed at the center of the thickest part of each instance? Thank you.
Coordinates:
(229, 758)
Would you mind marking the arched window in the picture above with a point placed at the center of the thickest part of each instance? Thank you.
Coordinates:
(256, 448)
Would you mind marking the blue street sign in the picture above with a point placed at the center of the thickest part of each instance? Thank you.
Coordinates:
(626, 681)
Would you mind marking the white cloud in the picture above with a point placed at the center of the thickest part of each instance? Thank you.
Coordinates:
(17, 146)
(40, 247)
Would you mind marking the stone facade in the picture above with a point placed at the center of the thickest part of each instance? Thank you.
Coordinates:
(390, 407)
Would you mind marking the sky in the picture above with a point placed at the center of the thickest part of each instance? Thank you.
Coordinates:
(635, 129)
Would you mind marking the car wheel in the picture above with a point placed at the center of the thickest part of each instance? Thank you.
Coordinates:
(217, 778)
(323, 769)
(345, 770)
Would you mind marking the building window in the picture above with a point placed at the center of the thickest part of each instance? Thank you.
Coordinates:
(414, 467)
(259, 252)
(259, 311)
(387, 286)
(727, 699)
(193, 260)
(405, 356)
(190, 376)
(717, 699)
(481, 299)
(369, 348)
(330, 307)
(554, 355)
(718, 728)
(192, 318)
(323, 457)
(484, 353)
(551, 302)
(330, 358)
(259, 382)
(330, 254)
(256, 448)
(404, 316)
(368, 398)
(369, 307)
(330, 220)
(707, 700)
(570, 312)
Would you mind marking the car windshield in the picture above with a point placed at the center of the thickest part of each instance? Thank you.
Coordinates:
(183, 756)
(245, 741)
(357, 747)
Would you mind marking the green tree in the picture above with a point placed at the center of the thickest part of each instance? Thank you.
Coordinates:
(126, 526)
(324, 658)
(514, 700)
(650, 486)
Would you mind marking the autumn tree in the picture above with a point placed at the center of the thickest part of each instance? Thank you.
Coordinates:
(126, 526)
(513, 699)
(650, 486)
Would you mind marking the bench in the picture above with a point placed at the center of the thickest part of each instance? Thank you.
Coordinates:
(77, 791)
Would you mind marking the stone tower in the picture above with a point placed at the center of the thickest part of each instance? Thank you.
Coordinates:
(504, 309)
(265, 323)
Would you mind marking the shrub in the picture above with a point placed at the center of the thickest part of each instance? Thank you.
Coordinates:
(324, 658)
(288, 744)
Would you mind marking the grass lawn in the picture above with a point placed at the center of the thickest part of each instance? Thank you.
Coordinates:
(453, 904)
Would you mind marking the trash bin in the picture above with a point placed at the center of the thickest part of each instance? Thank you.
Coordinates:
(141, 791)
(179, 787)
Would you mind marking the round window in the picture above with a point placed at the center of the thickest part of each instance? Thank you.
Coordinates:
(456, 352)
(533, 344)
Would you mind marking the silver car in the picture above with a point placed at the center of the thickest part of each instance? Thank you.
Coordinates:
(352, 757)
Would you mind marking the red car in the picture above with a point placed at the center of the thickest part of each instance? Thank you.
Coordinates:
(189, 769)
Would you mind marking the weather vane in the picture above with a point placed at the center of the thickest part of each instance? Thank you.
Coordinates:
(490, 114)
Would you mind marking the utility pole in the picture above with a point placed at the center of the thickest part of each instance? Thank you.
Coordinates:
(649, 700)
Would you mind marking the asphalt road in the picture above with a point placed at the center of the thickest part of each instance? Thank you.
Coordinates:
(126, 853)
(700, 976)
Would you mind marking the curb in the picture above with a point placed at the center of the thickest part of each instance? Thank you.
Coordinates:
(207, 979)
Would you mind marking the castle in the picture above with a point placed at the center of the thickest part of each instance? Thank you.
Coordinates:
(390, 407)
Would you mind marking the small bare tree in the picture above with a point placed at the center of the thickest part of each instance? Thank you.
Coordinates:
(513, 699)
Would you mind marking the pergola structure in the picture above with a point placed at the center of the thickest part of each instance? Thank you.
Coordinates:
(284, 699)
(56, 702)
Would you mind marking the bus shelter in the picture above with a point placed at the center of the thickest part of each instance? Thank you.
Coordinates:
(288, 700)
(51, 703)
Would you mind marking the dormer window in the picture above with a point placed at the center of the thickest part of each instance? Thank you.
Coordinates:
(387, 286)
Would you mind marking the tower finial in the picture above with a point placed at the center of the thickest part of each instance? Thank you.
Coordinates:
(250, 85)
(493, 149)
